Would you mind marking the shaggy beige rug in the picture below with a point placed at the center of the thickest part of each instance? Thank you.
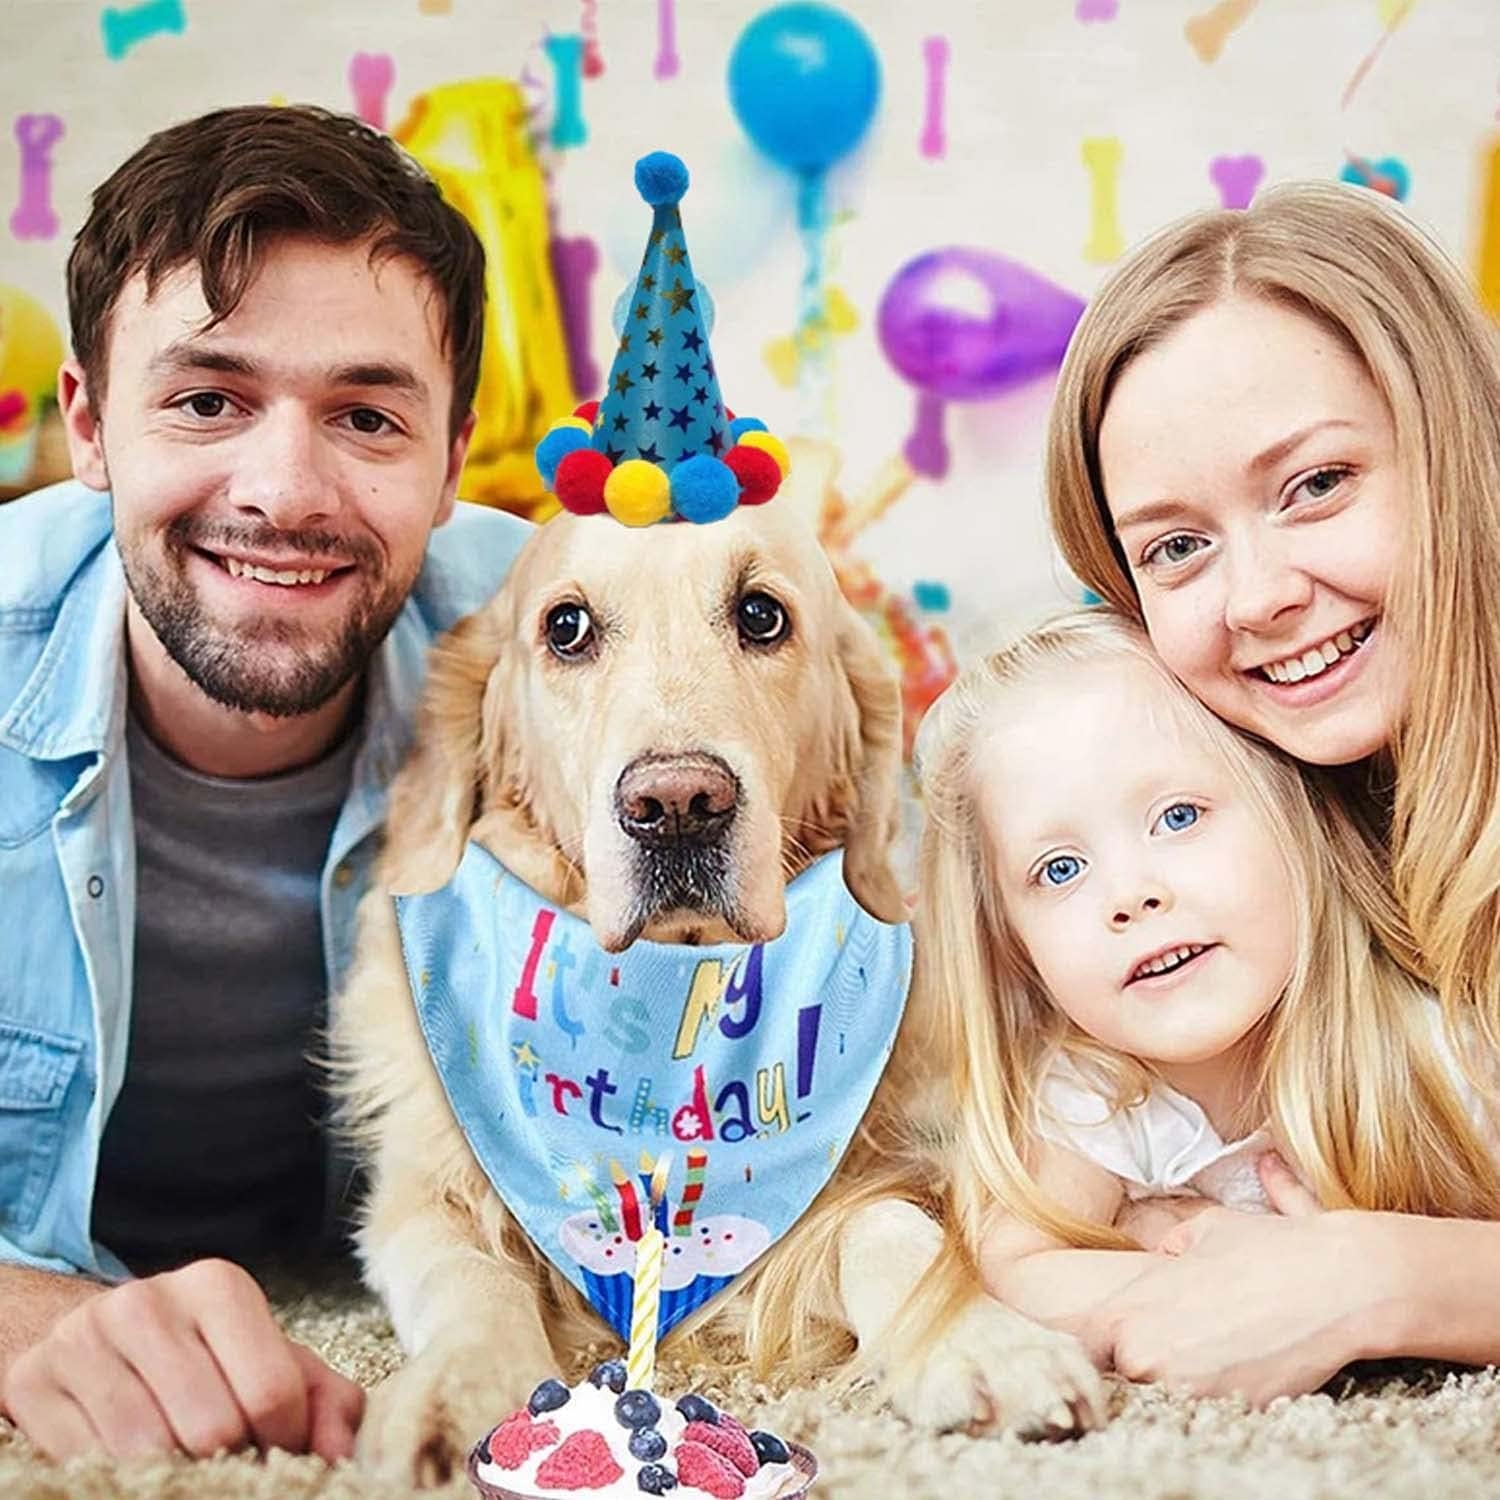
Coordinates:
(1413, 1435)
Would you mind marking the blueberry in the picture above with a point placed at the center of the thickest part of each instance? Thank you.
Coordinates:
(647, 1443)
(611, 1373)
(769, 1448)
(637, 1409)
(548, 1396)
(656, 1480)
(696, 1409)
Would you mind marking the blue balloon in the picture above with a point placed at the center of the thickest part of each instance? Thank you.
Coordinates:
(804, 81)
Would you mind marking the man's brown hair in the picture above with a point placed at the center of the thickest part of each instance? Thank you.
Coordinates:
(215, 191)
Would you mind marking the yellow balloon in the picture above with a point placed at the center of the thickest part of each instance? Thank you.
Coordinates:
(768, 444)
(637, 493)
(31, 349)
(472, 137)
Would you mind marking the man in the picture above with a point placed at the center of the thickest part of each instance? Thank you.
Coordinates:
(210, 653)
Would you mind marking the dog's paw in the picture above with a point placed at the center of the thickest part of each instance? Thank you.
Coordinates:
(994, 1371)
(422, 1421)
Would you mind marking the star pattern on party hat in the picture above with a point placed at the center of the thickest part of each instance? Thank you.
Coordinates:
(661, 444)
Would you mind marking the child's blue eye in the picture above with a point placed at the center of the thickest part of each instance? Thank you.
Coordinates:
(1179, 816)
(1061, 870)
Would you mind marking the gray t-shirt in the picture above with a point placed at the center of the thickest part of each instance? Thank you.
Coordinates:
(214, 1146)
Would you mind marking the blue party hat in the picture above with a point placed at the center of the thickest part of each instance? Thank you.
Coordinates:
(661, 443)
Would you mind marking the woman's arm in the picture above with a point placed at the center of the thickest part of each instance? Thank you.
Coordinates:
(1037, 1275)
(1269, 1305)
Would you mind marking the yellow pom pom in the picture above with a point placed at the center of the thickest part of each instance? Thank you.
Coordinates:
(577, 422)
(637, 493)
(768, 444)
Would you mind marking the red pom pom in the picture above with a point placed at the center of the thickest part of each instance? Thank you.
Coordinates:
(580, 481)
(588, 411)
(758, 473)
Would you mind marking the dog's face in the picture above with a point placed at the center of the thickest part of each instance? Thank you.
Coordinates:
(660, 726)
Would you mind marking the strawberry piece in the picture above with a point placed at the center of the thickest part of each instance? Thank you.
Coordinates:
(518, 1437)
(701, 1467)
(728, 1439)
(584, 1462)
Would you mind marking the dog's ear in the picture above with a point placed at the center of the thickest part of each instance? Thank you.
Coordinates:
(872, 833)
(433, 801)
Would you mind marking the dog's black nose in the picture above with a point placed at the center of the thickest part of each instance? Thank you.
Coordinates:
(671, 801)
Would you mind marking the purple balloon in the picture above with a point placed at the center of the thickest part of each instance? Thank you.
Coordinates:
(965, 324)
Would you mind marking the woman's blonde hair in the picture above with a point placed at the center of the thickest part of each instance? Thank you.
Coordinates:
(1352, 261)
(1350, 1077)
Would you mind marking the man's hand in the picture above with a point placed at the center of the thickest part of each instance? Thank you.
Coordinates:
(189, 1361)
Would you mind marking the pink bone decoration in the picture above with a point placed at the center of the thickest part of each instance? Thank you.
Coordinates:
(33, 218)
(668, 63)
(935, 55)
(1236, 178)
(371, 75)
(1096, 10)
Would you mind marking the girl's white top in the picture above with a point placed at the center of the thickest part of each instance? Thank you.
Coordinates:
(1166, 1147)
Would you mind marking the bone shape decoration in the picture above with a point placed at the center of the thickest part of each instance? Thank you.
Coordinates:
(33, 218)
(667, 62)
(123, 29)
(435, 7)
(1102, 156)
(593, 58)
(935, 55)
(568, 128)
(1208, 32)
(371, 75)
(1236, 178)
(1096, 10)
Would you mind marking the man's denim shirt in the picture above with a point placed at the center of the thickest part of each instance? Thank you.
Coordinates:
(67, 842)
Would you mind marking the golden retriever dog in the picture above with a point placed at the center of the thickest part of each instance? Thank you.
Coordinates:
(654, 730)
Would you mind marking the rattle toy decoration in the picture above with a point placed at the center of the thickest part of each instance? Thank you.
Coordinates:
(661, 445)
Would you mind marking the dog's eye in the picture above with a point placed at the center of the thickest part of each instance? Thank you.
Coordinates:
(762, 620)
(570, 631)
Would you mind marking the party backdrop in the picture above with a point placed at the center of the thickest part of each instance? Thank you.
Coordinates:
(898, 208)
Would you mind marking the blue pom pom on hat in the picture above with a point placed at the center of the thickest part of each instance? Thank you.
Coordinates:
(662, 405)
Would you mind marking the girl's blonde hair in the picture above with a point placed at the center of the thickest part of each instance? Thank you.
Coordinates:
(1350, 1078)
(1352, 261)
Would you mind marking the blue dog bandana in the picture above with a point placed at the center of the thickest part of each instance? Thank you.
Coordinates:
(572, 1070)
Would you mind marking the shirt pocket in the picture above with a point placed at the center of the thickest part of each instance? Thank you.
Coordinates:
(36, 1068)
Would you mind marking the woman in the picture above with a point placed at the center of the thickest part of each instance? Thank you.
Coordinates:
(1276, 441)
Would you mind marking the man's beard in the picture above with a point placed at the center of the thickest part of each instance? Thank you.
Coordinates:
(230, 667)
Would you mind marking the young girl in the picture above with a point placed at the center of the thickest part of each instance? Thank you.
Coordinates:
(1143, 964)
